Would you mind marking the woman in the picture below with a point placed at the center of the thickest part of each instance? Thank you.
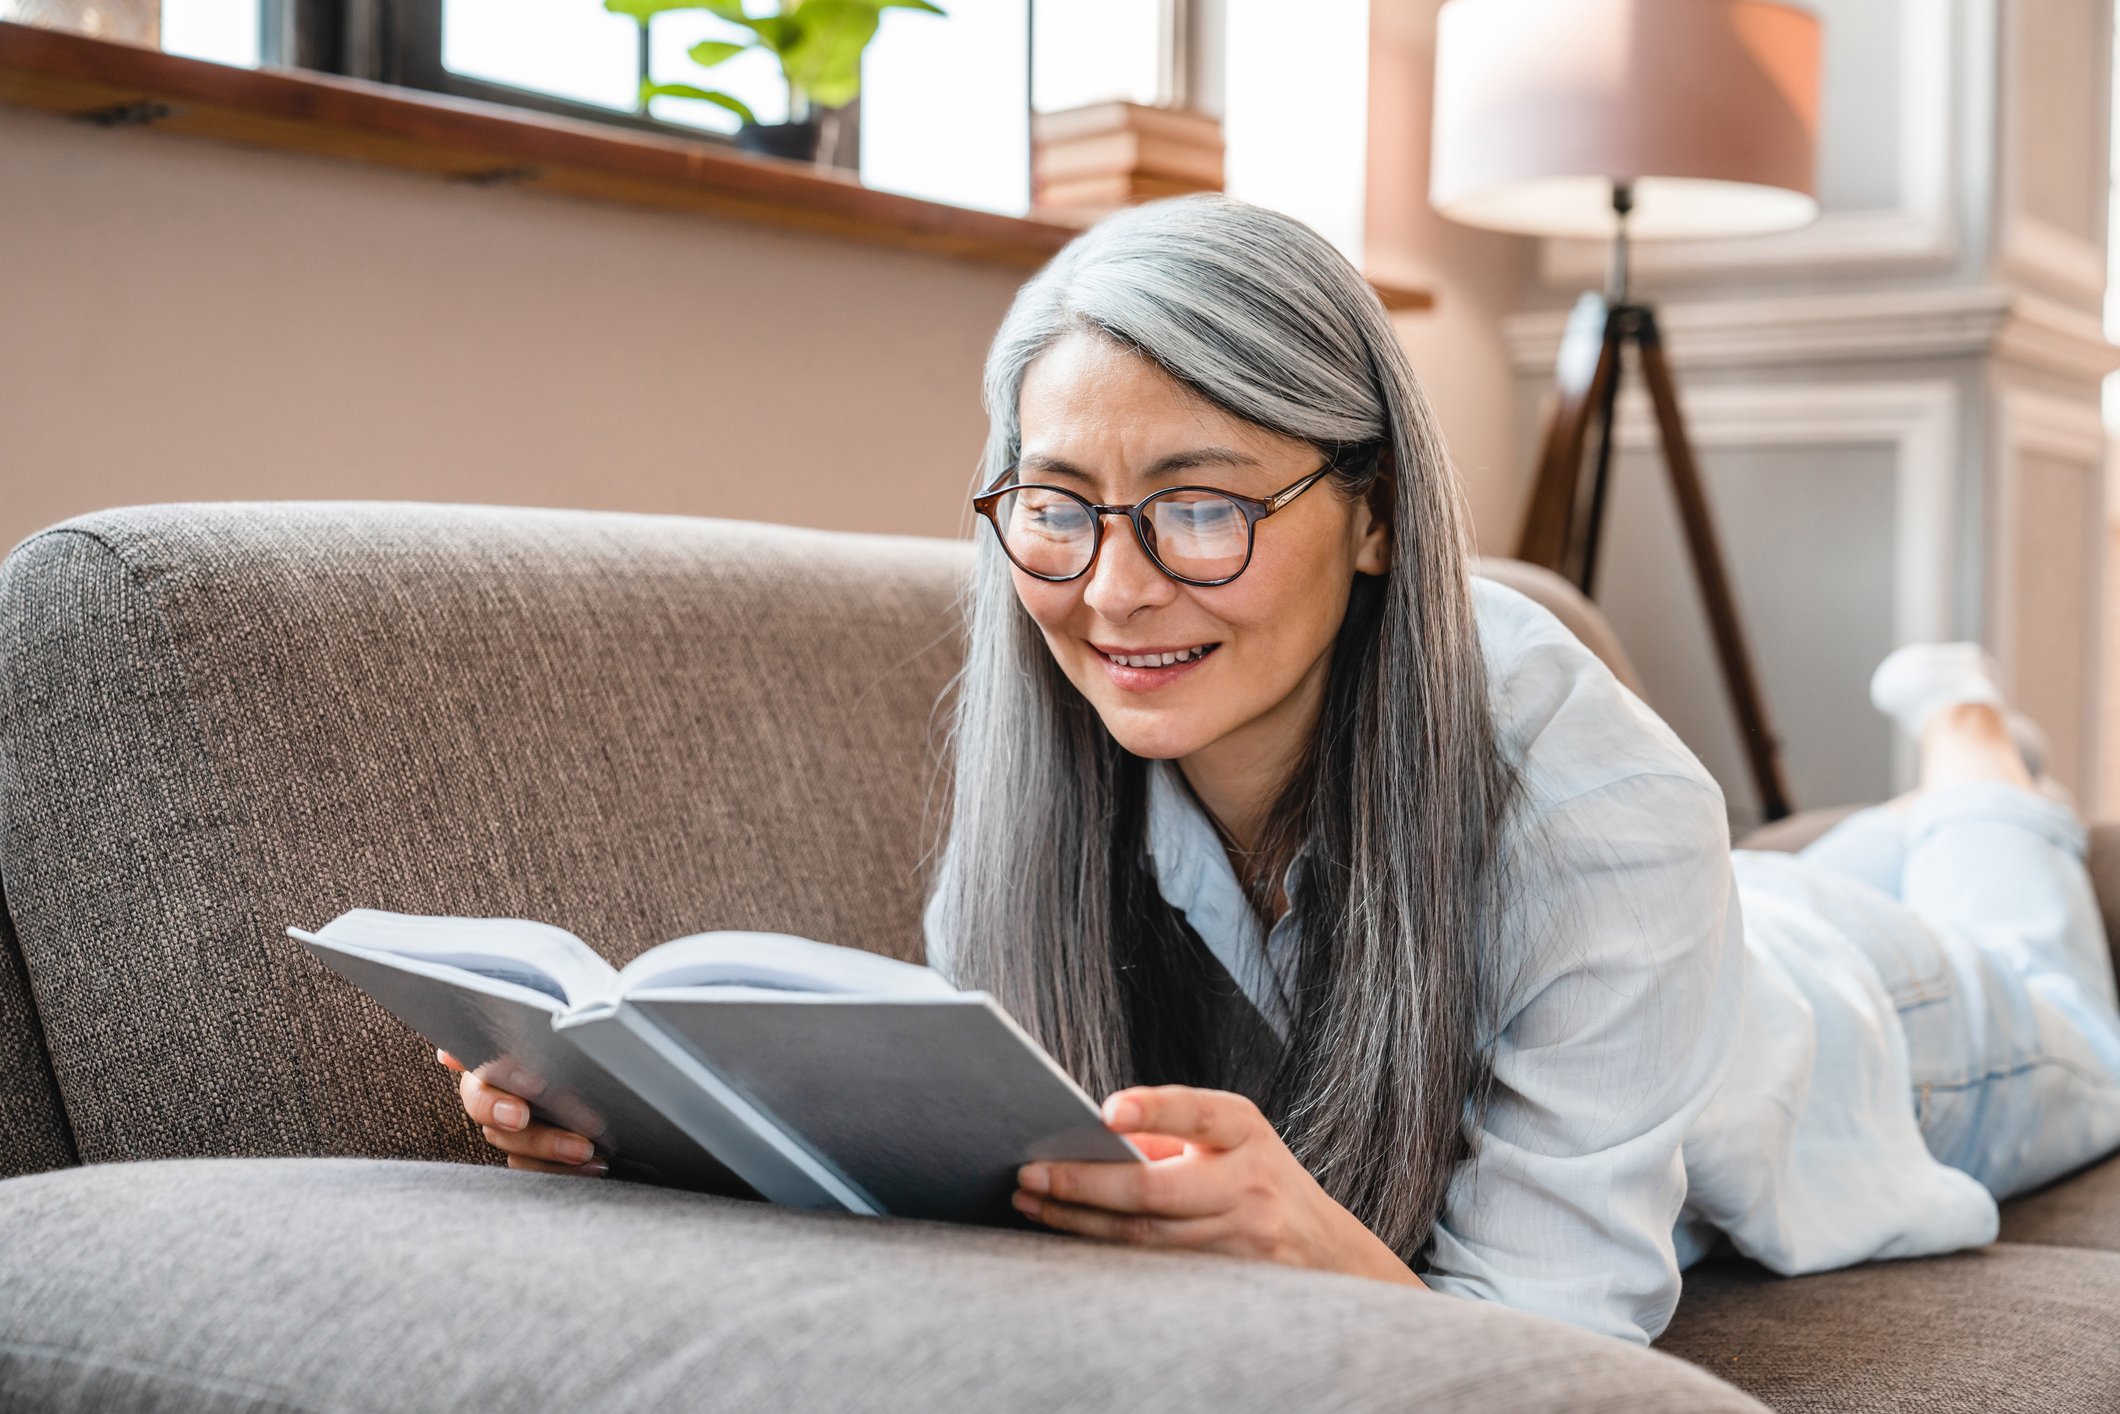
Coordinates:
(1404, 940)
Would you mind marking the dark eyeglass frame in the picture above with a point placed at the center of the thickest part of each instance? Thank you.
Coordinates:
(1254, 509)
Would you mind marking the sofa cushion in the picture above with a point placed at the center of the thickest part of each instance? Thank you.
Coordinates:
(217, 720)
(2081, 1209)
(262, 1284)
(1997, 1327)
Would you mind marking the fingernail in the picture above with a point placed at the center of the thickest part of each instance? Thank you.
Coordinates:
(1123, 1113)
(509, 1115)
(1025, 1203)
(599, 1168)
(575, 1151)
(1033, 1177)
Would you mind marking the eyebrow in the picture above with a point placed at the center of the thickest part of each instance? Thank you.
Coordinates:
(1161, 466)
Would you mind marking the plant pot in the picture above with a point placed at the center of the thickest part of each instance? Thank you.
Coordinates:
(794, 141)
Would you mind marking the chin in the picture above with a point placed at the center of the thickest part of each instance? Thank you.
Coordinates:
(1156, 734)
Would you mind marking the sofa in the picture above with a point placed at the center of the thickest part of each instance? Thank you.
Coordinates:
(234, 1183)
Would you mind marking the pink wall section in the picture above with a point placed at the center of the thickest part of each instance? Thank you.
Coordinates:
(183, 320)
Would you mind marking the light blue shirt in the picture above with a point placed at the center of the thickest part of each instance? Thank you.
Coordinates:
(1664, 1071)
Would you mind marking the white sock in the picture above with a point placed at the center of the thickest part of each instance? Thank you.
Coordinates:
(1916, 681)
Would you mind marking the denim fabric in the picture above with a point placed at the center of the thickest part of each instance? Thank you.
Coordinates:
(2005, 985)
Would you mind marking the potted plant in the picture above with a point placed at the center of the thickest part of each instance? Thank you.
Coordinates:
(818, 44)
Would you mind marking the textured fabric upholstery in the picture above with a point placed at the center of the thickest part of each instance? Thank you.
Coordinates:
(275, 1284)
(1994, 1328)
(2081, 1209)
(220, 719)
(30, 1117)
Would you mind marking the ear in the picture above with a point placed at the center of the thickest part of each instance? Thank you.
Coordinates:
(1374, 516)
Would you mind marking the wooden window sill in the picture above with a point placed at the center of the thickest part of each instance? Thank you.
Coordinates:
(492, 144)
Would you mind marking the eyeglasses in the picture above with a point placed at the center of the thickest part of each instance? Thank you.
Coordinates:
(1195, 534)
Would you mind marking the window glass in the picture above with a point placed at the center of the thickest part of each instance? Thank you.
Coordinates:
(225, 31)
(945, 105)
(576, 49)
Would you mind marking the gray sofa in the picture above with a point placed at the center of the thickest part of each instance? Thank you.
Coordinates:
(232, 1183)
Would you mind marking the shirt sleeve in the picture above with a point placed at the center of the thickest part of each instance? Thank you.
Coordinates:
(1624, 919)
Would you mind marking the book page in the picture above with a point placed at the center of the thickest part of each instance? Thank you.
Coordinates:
(780, 962)
(516, 951)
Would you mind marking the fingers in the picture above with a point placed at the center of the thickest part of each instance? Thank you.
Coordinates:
(1156, 1146)
(1218, 1119)
(448, 1060)
(505, 1121)
(1170, 1188)
(547, 1143)
(487, 1105)
(588, 1170)
(1138, 1229)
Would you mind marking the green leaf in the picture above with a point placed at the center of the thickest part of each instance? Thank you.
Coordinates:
(709, 52)
(824, 61)
(775, 32)
(646, 10)
(905, 5)
(685, 90)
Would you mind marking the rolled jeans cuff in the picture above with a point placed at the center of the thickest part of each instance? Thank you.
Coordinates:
(1996, 802)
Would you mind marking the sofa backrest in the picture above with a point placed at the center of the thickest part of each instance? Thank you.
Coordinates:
(220, 719)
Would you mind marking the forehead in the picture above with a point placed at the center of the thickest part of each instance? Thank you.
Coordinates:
(1088, 399)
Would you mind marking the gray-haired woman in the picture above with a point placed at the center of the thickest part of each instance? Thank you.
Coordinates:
(1404, 940)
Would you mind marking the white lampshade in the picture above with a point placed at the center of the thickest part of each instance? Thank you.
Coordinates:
(1707, 109)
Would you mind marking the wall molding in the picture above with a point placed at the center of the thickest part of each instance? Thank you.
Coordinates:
(2010, 326)
(2027, 421)
(2028, 246)
(1918, 420)
(1918, 233)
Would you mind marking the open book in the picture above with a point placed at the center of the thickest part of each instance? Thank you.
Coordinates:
(739, 1063)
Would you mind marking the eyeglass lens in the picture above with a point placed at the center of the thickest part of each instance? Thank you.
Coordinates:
(1192, 534)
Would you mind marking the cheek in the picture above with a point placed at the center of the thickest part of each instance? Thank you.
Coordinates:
(1051, 606)
(1280, 622)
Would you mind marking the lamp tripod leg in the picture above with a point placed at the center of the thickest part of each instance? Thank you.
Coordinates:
(1588, 361)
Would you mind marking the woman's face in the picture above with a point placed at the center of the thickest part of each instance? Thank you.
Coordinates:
(1107, 423)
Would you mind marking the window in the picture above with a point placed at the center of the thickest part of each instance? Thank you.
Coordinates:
(943, 113)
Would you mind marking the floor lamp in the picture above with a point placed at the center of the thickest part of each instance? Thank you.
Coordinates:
(1629, 120)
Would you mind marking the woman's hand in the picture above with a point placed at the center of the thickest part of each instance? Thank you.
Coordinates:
(1218, 1179)
(504, 1118)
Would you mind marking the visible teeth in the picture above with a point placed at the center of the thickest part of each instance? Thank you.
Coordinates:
(1159, 660)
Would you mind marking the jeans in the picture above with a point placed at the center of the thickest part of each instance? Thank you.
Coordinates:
(1986, 929)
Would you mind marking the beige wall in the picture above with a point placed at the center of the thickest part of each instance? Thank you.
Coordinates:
(183, 320)
(1457, 349)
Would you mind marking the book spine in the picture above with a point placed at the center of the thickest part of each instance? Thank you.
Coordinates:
(666, 1074)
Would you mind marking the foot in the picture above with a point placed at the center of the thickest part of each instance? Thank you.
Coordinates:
(1918, 680)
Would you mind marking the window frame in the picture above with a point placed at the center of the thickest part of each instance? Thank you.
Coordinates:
(400, 42)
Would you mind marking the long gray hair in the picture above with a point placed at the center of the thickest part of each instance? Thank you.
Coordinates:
(1046, 886)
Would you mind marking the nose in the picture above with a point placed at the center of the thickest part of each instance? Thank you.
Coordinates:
(1124, 580)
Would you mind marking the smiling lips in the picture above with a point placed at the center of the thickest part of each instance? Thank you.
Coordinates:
(1151, 668)
(1155, 657)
